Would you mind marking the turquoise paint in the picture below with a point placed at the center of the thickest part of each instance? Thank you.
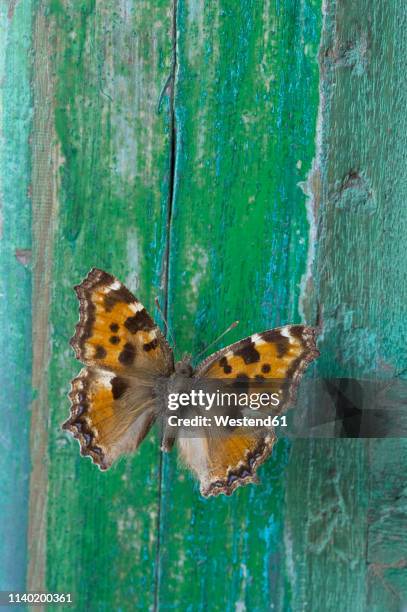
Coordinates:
(15, 289)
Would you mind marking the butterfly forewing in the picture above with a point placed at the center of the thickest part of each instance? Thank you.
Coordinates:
(113, 399)
(115, 331)
(282, 354)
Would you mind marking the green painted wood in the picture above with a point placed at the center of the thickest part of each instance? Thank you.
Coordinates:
(246, 99)
(101, 175)
(15, 289)
(387, 539)
(326, 528)
(349, 549)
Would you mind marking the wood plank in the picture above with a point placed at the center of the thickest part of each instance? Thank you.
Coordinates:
(349, 549)
(387, 537)
(326, 528)
(45, 169)
(101, 164)
(15, 289)
(245, 102)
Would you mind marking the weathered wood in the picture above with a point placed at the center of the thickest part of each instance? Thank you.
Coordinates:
(245, 107)
(15, 289)
(45, 175)
(387, 520)
(100, 162)
(349, 547)
(100, 194)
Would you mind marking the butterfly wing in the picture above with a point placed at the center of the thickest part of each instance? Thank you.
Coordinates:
(113, 398)
(110, 414)
(278, 356)
(115, 332)
(224, 463)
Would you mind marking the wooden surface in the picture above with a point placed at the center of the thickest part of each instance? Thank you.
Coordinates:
(105, 172)
(245, 109)
(15, 289)
(241, 160)
(351, 547)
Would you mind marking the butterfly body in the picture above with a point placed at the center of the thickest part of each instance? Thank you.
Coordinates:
(130, 371)
(183, 368)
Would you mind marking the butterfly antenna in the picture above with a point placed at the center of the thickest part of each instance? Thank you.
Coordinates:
(167, 328)
(234, 324)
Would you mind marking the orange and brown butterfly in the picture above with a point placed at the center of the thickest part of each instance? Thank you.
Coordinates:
(115, 398)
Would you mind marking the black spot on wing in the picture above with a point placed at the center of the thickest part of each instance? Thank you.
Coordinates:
(119, 387)
(242, 377)
(114, 327)
(100, 352)
(150, 346)
(86, 435)
(231, 478)
(248, 353)
(80, 409)
(78, 425)
(281, 343)
(141, 321)
(265, 368)
(223, 363)
(114, 339)
(126, 357)
(238, 474)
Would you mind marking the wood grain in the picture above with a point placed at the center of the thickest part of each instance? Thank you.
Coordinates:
(245, 108)
(241, 160)
(101, 71)
(45, 175)
(354, 490)
(15, 289)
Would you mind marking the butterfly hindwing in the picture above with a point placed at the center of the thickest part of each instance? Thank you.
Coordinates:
(278, 358)
(223, 464)
(110, 414)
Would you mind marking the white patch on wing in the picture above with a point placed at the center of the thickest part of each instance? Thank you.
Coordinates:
(136, 307)
(257, 339)
(104, 375)
(285, 331)
(115, 286)
(194, 452)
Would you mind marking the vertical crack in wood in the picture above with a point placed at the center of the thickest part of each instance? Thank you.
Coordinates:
(166, 274)
(173, 146)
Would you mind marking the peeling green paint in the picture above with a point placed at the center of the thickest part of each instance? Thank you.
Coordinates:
(111, 193)
(246, 102)
(284, 188)
(352, 487)
(15, 288)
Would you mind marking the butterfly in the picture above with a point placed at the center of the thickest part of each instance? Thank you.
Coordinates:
(115, 398)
